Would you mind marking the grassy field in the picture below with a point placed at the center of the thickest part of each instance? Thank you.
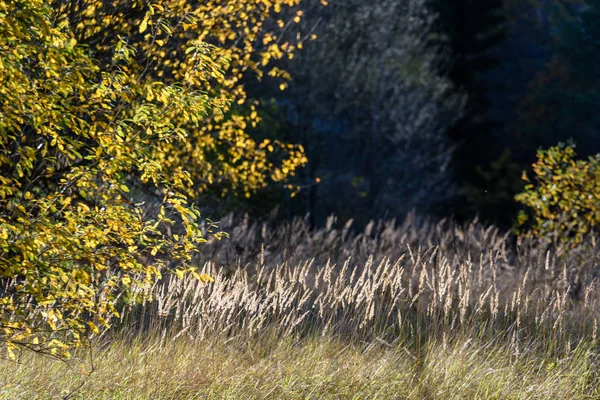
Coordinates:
(478, 315)
(312, 368)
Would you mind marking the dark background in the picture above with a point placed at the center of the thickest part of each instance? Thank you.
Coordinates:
(435, 105)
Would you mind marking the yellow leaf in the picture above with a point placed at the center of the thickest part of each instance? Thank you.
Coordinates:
(144, 24)
(93, 327)
(11, 353)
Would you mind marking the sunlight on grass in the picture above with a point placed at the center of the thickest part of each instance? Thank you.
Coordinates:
(433, 323)
(313, 368)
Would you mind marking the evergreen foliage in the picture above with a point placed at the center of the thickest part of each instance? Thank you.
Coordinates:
(563, 100)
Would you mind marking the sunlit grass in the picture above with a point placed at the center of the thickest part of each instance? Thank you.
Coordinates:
(439, 322)
(312, 368)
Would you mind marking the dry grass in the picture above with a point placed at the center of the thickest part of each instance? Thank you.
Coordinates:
(316, 368)
(469, 317)
(295, 241)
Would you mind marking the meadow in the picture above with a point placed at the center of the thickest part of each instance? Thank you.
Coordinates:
(125, 124)
(411, 310)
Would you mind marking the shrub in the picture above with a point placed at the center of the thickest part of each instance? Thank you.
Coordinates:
(563, 198)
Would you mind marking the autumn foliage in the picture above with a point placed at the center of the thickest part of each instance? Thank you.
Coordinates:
(104, 106)
(563, 197)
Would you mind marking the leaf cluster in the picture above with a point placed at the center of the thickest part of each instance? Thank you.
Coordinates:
(563, 197)
(101, 98)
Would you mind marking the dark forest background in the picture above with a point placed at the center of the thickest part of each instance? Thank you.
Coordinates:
(433, 105)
